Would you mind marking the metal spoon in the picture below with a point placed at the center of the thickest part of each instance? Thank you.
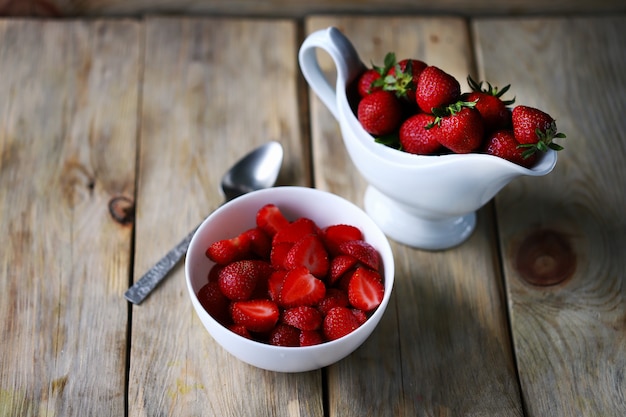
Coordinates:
(257, 170)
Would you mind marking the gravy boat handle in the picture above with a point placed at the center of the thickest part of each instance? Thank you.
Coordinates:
(346, 59)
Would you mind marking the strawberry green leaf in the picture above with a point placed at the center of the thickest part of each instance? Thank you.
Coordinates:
(392, 140)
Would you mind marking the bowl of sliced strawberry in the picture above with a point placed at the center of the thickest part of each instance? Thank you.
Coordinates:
(289, 279)
(432, 154)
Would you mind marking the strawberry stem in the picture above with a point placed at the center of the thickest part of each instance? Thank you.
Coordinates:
(544, 143)
(450, 110)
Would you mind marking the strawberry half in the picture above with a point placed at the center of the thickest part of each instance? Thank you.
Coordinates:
(260, 242)
(284, 335)
(238, 280)
(275, 284)
(301, 288)
(311, 253)
(295, 231)
(240, 330)
(335, 297)
(363, 252)
(271, 219)
(226, 251)
(336, 234)
(214, 302)
(340, 265)
(339, 322)
(365, 290)
(310, 338)
(255, 315)
(303, 318)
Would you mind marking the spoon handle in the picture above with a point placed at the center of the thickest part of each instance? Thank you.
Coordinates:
(142, 288)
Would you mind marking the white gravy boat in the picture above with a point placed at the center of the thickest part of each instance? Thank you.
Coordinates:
(427, 202)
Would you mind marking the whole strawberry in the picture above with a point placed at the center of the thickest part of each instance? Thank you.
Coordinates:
(416, 138)
(496, 115)
(459, 127)
(535, 130)
(380, 113)
(371, 79)
(366, 83)
(402, 78)
(504, 145)
(436, 88)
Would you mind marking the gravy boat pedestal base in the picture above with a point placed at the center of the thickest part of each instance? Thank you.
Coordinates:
(400, 224)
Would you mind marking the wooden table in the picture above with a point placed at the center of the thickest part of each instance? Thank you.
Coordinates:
(113, 138)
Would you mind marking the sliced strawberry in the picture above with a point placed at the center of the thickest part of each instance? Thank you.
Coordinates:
(238, 280)
(365, 290)
(295, 231)
(336, 234)
(303, 318)
(240, 330)
(260, 242)
(278, 254)
(310, 338)
(339, 322)
(214, 302)
(360, 315)
(275, 283)
(311, 253)
(340, 265)
(301, 288)
(255, 315)
(226, 251)
(362, 251)
(215, 272)
(271, 219)
(335, 297)
(284, 335)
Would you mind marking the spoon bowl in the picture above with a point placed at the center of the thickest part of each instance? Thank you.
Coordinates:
(257, 170)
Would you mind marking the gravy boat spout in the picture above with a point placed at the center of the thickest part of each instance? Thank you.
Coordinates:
(427, 202)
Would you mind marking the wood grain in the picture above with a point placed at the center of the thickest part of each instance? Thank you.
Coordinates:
(68, 107)
(303, 8)
(570, 338)
(443, 346)
(205, 106)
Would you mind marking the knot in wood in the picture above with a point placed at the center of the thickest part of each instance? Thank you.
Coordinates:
(545, 258)
(122, 209)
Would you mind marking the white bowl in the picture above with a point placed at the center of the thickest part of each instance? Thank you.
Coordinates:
(238, 215)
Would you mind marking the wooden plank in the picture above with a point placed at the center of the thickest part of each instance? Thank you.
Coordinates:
(209, 83)
(303, 8)
(443, 346)
(68, 122)
(570, 337)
